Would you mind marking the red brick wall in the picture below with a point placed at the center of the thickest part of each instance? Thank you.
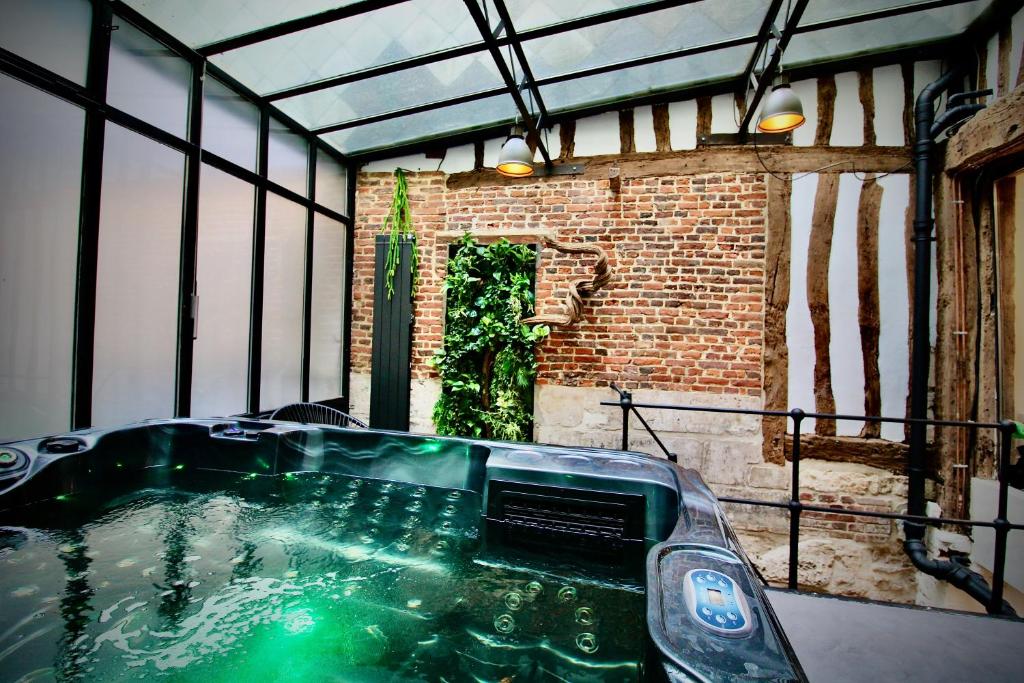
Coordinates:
(684, 309)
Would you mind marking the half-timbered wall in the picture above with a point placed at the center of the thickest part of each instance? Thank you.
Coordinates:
(775, 276)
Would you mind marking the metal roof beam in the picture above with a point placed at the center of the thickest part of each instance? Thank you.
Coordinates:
(763, 36)
(517, 47)
(294, 25)
(506, 75)
(792, 21)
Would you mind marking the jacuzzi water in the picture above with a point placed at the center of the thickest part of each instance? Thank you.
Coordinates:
(298, 577)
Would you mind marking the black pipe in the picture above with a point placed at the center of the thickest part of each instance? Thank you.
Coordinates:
(924, 114)
(926, 128)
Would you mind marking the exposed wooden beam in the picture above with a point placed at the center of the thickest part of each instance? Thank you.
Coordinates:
(742, 159)
(868, 308)
(826, 109)
(995, 133)
(819, 253)
(778, 250)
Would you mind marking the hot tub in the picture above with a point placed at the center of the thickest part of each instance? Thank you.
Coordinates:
(265, 551)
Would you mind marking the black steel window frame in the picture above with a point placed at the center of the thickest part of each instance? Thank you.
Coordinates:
(91, 98)
(1005, 430)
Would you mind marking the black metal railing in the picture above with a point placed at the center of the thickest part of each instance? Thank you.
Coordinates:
(1001, 525)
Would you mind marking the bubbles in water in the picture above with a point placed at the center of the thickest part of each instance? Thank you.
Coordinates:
(446, 525)
(534, 588)
(441, 546)
(513, 601)
(381, 502)
(587, 642)
(585, 616)
(449, 510)
(566, 594)
(411, 522)
(370, 535)
(300, 621)
(414, 506)
(355, 483)
(419, 492)
(504, 623)
(352, 495)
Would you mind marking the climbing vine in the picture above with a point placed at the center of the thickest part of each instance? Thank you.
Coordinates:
(398, 224)
(487, 363)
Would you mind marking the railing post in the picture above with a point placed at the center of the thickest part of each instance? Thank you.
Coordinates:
(1001, 528)
(795, 506)
(626, 403)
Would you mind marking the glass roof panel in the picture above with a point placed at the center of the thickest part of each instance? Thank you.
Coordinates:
(824, 10)
(398, 90)
(648, 79)
(371, 39)
(882, 34)
(696, 24)
(444, 121)
(527, 14)
(199, 22)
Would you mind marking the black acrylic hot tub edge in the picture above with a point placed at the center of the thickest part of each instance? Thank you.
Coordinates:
(559, 494)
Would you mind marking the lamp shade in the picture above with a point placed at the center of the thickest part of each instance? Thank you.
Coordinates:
(515, 159)
(782, 111)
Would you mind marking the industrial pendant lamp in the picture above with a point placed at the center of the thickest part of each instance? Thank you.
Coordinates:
(782, 111)
(515, 159)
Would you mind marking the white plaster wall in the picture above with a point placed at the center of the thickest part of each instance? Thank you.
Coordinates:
(412, 162)
(1016, 46)
(492, 148)
(888, 92)
(925, 73)
(847, 362)
(643, 127)
(723, 114)
(359, 396)
(799, 331)
(598, 135)
(992, 67)
(807, 91)
(845, 345)
(894, 311)
(848, 119)
(458, 159)
(682, 117)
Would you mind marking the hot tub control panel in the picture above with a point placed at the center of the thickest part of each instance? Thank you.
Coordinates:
(716, 602)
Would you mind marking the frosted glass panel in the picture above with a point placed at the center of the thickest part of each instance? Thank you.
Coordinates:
(331, 183)
(706, 67)
(442, 121)
(382, 36)
(288, 158)
(230, 124)
(52, 33)
(220, 367)
(284, 273)
(691, 25)
(40, 180)
(881, 34)
(137, 283)
(398, 90)
(198, 22)
(328, 323)
(147, 80)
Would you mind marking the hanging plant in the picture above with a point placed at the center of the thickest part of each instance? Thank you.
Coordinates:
(399, 224)
(487, 363)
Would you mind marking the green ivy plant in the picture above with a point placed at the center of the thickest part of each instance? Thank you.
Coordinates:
(399, 224)
(487, 363)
